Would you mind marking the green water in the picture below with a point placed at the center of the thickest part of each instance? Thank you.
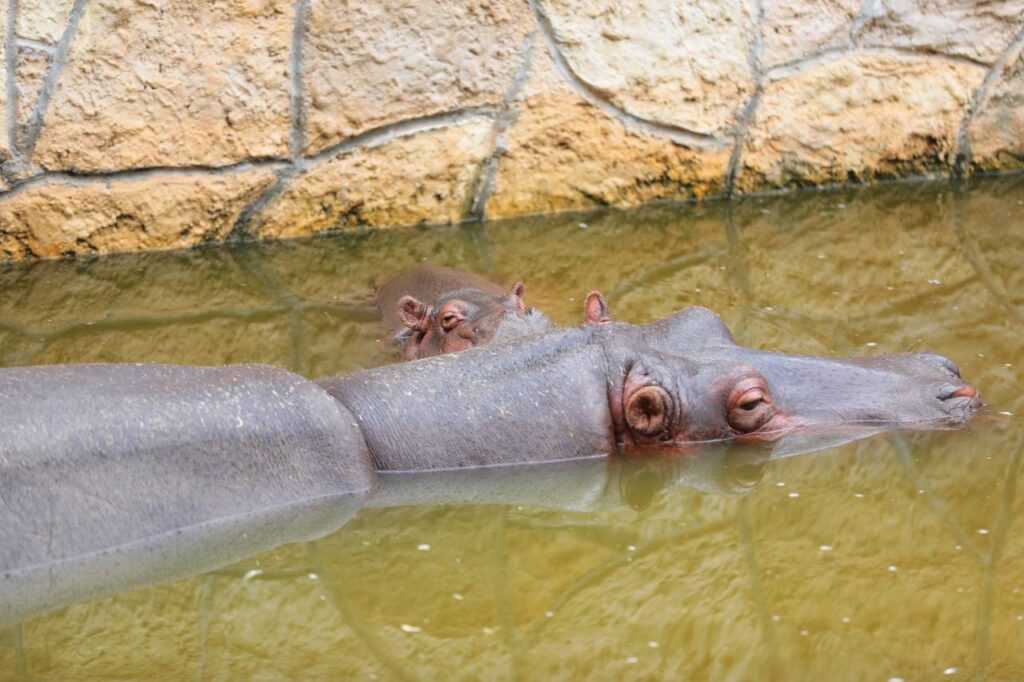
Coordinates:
(901, 555)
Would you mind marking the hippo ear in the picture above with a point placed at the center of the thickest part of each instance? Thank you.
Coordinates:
(414, 314)
(596, 310)
(515, 296)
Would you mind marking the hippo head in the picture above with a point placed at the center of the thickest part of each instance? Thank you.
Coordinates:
(463, 318)
(684, 381)
(665, 401)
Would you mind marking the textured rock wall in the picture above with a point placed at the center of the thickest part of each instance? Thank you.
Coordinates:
(132, 125)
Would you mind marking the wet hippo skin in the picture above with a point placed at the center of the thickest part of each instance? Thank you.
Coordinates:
(99, 456)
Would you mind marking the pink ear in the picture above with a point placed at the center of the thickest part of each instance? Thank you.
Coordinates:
(595, 309)
(414, 314)
(515, 295)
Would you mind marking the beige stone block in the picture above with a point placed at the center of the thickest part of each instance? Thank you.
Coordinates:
(997, 132)
(793, 30)
(965, 28)
(43, 20)
(860, 116)
(564, 153)
(32, 66)
(369, 64)
(171, 84)
(682, 63)
(422, 178)
(157, 212)
(4, 150)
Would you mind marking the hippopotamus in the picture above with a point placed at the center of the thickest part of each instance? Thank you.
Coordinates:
(434, 310)
(99, 458)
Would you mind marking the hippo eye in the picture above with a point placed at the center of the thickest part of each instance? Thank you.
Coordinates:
(750, 406)
(451, 318)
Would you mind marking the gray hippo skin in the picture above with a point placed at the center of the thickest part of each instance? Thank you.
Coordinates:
(599, 389)
(114, 475)
(433, 310)
(103, 462)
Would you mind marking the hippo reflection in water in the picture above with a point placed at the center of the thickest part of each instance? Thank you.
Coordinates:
(99, 462)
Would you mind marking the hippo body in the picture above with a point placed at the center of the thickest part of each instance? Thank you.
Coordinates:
(98, 462)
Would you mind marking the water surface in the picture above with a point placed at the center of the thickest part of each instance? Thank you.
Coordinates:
(897, 556)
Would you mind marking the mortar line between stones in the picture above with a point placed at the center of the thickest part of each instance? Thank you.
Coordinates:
(369, 139)
(240, 230)
(296, 140)
(678, 134)
(755, 58)
(50, 80)
(502, 121)
(37, 45)
(795, 66)
(963, 157)
(376, 137)
(85, 179)
(11, 83)
(859, 20)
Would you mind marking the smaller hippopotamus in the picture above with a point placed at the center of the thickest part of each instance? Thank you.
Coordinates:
(465, 310)
(437, 310)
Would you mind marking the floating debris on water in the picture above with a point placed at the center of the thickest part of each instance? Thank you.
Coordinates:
(892, 569)
(252, 573)
(826, 548)
(631, 548)
(983, 531)
(584, 226)
(632, 659)
(654, 645)
(1005, 413)
(845, 619)
(410, 628)
(859, 496)
(423, 548)
(488, 631)
(794, 495)
(935, 282)
(549, 614)
(776, 618)
(950, 671)
(781, 484)
(457, 597)
(871, 344)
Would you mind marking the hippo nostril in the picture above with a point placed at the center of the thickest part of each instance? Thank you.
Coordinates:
(958, 392)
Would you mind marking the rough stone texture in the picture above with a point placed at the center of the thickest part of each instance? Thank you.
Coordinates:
(368, 64)
(997, 132)
(660, 60)
(4, 150)
(43, 20)
(155, 212)
(171, 84)
(32, 66)
(793, 30)
(858, 117)
(580, 102)
(967, 28)
(423, 178)
(564, 153)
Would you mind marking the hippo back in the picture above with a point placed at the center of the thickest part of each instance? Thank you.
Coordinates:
(98, 458)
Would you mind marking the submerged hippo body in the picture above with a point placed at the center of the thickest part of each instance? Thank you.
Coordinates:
(101, 460)
(599, 389)
(434, 310)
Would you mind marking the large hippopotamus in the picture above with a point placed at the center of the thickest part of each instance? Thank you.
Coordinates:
(97, 459)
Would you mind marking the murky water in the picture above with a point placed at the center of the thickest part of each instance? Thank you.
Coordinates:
(897, 556)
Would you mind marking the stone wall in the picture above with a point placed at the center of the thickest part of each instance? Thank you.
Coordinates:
(154, 124)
